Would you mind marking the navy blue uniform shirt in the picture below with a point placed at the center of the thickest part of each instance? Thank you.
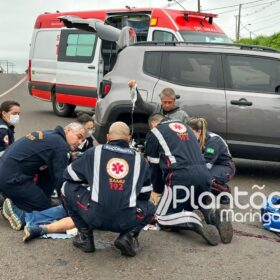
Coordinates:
(216, 151)
(175, 156)
(6, 135)
(37, 149)
(117, 175)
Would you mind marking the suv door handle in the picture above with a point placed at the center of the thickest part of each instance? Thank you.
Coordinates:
(241, 102)
(91, 67)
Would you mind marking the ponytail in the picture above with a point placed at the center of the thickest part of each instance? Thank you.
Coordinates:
(199, 124)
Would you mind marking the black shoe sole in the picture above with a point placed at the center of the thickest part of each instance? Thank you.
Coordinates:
(125, 248)
(208, 232)
(225, 229)
(8, 213)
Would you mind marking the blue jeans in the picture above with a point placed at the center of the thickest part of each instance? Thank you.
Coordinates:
(45, 216)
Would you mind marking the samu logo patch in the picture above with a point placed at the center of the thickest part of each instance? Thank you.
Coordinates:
(178, 127)
(117, 168)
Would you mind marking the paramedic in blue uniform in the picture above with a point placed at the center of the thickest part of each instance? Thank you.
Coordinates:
(109, 189)
(177, 164)
(216, 153)
(25, 159)
(87, 121)
(9, 117)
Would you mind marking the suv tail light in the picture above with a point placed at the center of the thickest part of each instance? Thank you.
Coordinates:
(105, 87)
(29, 70)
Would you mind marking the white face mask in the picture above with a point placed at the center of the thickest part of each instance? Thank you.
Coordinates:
(14, 119)
(90, 132)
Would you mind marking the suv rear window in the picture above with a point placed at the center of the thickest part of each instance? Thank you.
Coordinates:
(191, 69)
(152, 62)
(254, 74)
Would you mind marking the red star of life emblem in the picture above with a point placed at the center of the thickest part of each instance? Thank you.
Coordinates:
(178, 127)
(117, 168)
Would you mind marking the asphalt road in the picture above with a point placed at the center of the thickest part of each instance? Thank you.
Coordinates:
(163, 255)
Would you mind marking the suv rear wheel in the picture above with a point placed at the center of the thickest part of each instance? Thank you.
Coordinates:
(62, 109)
(139, 132)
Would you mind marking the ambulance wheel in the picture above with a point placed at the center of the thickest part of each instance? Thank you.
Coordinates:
(62, 109)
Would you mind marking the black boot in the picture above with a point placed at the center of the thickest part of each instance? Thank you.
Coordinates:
(127, 244)
(224, 226)
(224, 200)
(207, 231)
(214, 217)
(217, 188)
(84, 240)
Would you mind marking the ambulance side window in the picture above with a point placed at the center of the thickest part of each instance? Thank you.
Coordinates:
(43, 47)
(77, 46)
(163, 36)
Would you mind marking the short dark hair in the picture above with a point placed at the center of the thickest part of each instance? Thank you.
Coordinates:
(6, 106)
(155, 117)
(83, 117)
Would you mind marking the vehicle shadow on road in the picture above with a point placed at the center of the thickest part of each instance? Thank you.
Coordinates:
(254, 168)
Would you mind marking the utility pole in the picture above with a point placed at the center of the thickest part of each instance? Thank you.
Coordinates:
(178, 4)
(235, 27)
(198, 5)
(238, 23)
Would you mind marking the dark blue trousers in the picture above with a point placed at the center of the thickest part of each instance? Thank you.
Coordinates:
(27, 196)
(23, 191)
(222, 174)
(88, 214)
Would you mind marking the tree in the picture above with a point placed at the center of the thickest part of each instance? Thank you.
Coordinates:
(265, 41)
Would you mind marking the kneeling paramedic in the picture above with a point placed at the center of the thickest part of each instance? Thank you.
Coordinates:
(32, 167)
(217, 156)
(117, 198)
(178, 168)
